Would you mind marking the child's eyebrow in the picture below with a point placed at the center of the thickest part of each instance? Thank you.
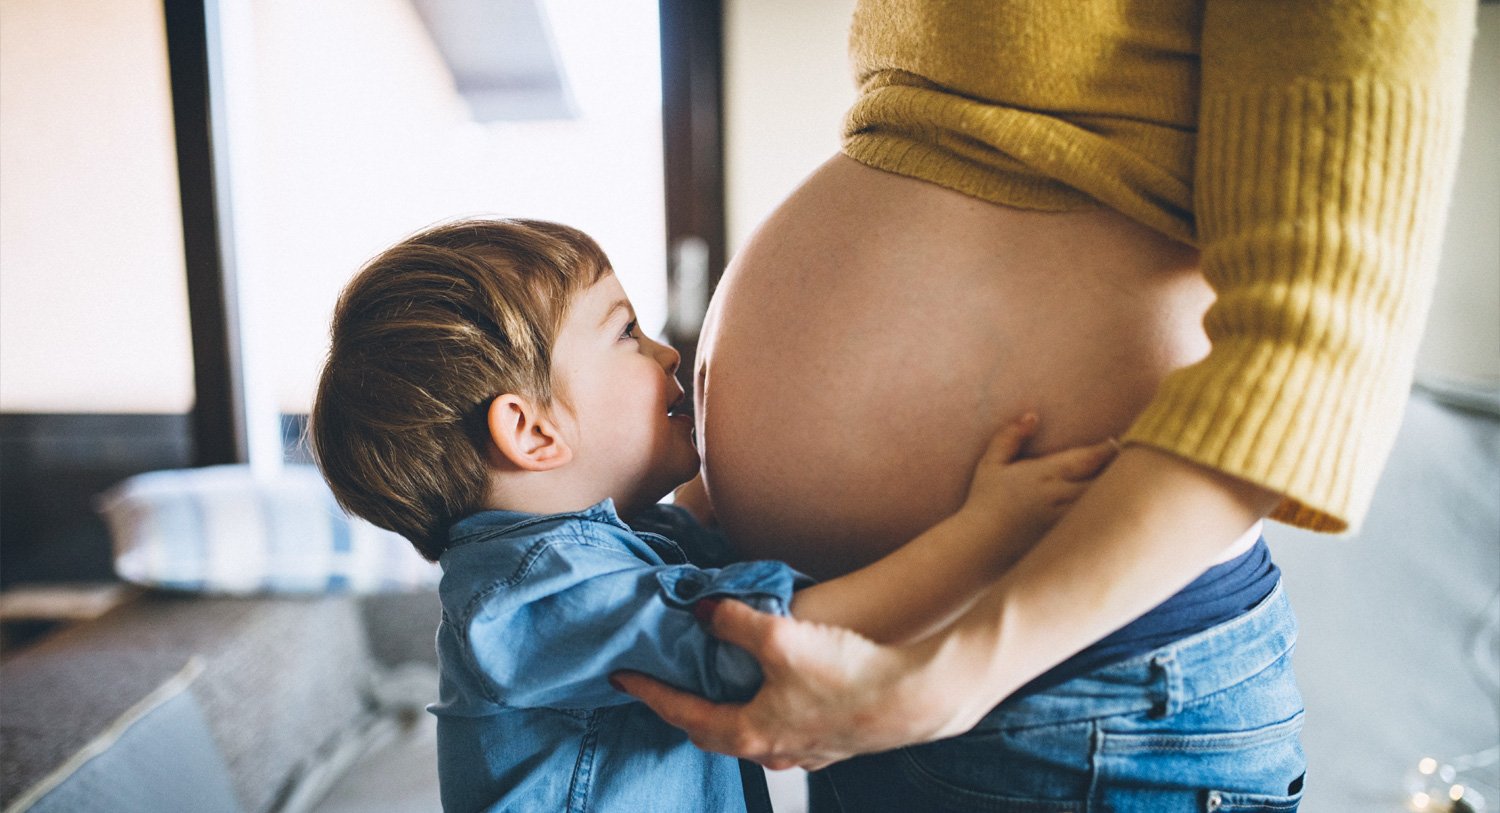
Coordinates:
(620, 304)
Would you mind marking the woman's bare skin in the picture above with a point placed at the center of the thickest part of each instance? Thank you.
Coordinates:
(866, 342)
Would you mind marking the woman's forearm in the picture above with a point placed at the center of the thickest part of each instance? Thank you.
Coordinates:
(1147, 527)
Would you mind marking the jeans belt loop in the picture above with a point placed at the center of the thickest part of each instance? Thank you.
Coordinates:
(1167, 687)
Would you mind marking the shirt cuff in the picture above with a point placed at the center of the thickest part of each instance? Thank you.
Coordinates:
(765, 586)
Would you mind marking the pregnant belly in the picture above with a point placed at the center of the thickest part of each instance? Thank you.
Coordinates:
(870, 337)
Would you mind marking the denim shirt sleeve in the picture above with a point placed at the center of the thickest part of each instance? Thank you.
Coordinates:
(583, 608)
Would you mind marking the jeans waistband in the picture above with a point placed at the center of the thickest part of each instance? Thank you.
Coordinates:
(1167, 678)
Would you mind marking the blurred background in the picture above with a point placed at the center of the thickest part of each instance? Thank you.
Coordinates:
(185, 186)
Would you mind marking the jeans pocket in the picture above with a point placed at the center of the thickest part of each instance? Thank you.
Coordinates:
(1253, 769)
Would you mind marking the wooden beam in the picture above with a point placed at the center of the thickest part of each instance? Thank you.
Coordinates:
(219, 426)
(692, 139)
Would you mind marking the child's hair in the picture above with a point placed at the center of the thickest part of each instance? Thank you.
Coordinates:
(423, 339)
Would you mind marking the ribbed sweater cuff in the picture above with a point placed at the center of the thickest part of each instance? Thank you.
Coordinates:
(1320, 209)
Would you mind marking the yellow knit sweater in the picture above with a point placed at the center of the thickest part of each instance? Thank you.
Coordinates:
(1307, 147)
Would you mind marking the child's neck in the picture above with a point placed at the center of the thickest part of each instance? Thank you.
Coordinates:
(545, 493)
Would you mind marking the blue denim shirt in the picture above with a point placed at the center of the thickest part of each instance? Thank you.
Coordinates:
(537, 612)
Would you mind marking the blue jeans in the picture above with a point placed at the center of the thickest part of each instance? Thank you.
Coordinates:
(1208, 723)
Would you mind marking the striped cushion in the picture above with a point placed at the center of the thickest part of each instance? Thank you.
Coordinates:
(222, 529)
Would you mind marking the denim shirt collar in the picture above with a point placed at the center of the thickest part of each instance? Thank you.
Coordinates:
(500, 521)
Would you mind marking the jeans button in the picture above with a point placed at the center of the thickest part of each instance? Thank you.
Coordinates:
(1215, 800)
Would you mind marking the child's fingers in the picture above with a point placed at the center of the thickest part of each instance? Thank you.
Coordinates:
(1066, 492)
(1083, 462)
(1009, 439)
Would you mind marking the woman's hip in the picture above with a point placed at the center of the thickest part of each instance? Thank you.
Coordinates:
(1207, 723)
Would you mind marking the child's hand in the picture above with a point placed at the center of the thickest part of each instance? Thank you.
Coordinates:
(1028, 496)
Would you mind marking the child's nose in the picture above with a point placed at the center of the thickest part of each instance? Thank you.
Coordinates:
(667, 356)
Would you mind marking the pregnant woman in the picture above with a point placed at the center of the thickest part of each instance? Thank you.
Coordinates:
(1208, 228)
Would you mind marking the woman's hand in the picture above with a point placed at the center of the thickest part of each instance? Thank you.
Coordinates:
(829, 694)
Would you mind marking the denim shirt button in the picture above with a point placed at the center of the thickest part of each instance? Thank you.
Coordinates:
(1215, 800)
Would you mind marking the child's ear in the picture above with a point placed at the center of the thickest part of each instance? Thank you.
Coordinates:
(525, 436)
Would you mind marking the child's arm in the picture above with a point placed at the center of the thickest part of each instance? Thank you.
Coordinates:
(931, 580)
(549, 612)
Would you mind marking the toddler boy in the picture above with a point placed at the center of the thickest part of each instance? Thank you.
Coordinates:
(489, 395)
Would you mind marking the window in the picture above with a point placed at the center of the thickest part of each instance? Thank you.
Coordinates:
(351, 124)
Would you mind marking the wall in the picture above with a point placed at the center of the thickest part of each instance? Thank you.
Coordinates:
(1462, 345)
(786, 86)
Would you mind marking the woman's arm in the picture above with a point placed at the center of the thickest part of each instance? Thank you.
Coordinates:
(1151, 524)
(1151, 521)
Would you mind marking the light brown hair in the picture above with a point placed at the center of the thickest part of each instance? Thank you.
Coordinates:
(423, 338)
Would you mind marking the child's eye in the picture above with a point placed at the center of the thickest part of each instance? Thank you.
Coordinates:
(629, 330)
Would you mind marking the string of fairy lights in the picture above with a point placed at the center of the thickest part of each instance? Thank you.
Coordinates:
(1451, 786)
(1459, 784)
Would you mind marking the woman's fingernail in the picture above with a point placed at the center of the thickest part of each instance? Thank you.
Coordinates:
(1115, 444)
(704, 610)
